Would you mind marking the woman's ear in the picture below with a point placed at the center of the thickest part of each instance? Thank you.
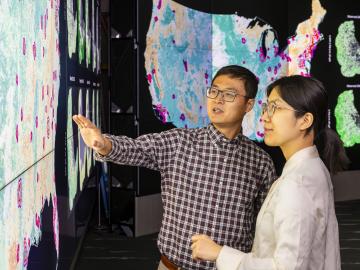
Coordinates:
(306, 121)
(250, 104)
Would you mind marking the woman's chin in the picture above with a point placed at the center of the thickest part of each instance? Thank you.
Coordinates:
(269, 142)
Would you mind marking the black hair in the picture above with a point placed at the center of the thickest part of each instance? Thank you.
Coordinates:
(241, 73)
(307, 94)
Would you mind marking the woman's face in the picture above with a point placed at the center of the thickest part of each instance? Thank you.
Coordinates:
(281, 128)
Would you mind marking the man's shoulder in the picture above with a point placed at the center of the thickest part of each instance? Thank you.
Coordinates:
(255, 149)
(184, 132)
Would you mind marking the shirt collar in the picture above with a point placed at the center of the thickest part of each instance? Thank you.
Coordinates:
(217, 137)
(301, 155)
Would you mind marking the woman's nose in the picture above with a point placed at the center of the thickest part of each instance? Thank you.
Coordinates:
(265, 116)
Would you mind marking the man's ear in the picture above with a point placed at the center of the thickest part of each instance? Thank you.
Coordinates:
(306, 121)
(250, 104)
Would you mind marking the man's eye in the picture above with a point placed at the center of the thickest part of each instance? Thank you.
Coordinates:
(230, 95)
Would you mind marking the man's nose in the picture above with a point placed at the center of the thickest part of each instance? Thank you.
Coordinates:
(220, 97)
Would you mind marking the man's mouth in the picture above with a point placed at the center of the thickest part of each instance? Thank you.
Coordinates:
(217, 110)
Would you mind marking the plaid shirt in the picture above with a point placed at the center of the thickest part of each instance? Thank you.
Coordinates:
(210, 185)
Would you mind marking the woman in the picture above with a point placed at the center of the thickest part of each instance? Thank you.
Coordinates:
(296, 227)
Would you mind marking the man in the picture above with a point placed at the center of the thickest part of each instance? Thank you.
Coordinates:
(214, 179)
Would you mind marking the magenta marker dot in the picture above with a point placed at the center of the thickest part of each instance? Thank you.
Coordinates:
(159, 5)
(243, 40)
(206, 75)
(260, 102)
(31, 136)
(24, 46)
(34, 50)
(153, 71)
(17, 79)
(17, 253)
(36, 122)
(173, 96)
(182, 117)
(156, 18)
(37, 220)
(21, 114)
(17, 133)
(19, 193)
(48, 127)
(149, 78)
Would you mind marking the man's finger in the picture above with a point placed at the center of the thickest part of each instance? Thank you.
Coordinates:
(77, 121)
(86, 122)
(83, 121)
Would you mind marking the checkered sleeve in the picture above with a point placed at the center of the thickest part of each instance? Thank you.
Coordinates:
(152, 151)
(268, 174)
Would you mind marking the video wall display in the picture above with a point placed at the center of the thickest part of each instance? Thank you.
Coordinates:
(83, 35)
(337, 64)
(80, 159)
(34, 71)
(186, 43)
(29, 86)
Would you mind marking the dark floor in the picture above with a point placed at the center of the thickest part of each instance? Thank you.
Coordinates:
(348, 215)
(107, 251)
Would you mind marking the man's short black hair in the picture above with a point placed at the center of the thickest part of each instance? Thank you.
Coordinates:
(241, 73)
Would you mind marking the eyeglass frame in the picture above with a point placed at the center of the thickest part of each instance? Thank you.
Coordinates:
(222, 93)
(265, 107)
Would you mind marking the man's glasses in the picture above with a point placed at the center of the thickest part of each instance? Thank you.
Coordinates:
(271, 107)
(227, 95)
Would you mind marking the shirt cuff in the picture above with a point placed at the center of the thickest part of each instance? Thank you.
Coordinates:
(112, 153)
(229, 258)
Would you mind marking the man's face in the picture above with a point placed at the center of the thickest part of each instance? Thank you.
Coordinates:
(226, 114)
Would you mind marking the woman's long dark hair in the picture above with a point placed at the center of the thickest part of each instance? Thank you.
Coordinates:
(306, 94)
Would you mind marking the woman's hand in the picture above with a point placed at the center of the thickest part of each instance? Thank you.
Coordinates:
(203, 248)
(92, 135)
